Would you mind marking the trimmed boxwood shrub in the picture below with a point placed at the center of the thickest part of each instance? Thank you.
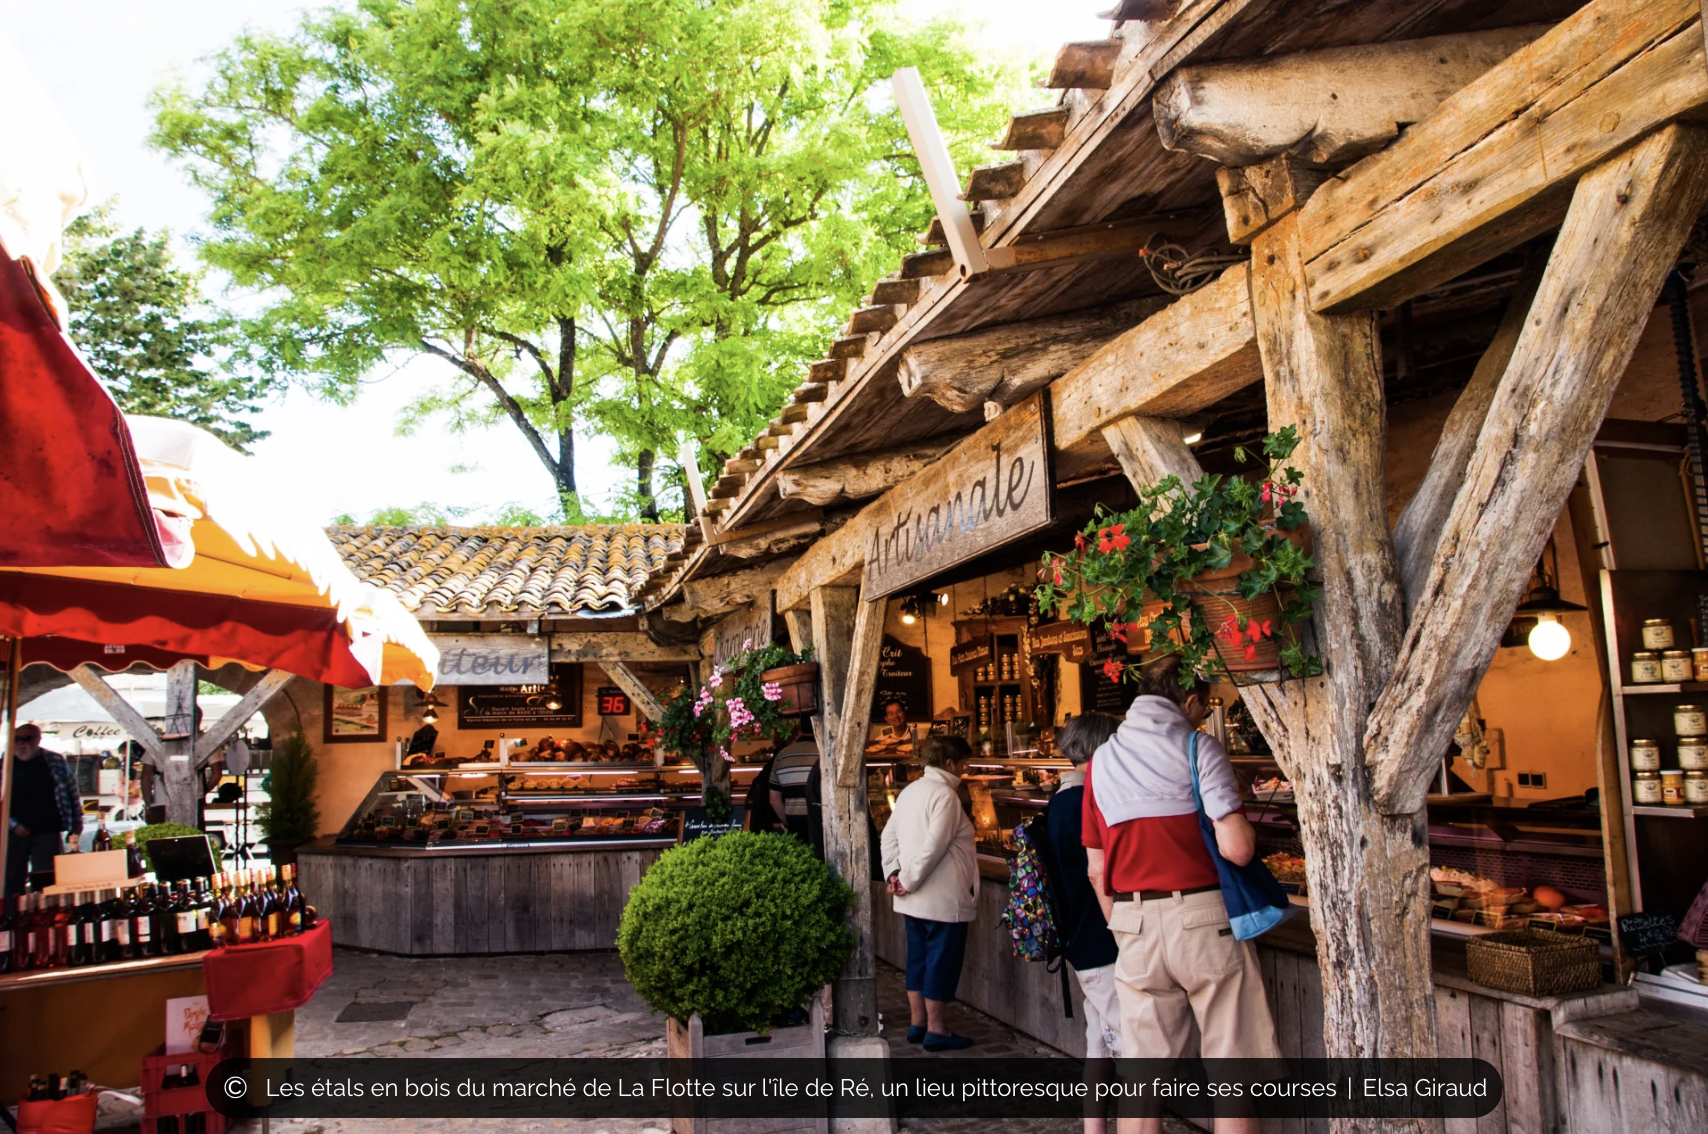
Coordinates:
(741, 928)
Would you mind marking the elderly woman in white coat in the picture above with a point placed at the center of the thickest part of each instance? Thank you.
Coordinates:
(931, 868)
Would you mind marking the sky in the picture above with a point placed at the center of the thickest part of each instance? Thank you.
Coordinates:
(100, 59)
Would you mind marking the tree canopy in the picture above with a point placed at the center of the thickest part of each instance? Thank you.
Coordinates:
(631, 217)
(133, 315)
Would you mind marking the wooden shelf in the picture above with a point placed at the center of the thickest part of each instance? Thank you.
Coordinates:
(1675, 688)
(1663, 812)
(36, 977)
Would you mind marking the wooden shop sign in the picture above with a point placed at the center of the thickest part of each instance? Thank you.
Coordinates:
(1069, 639)
(749, 625)
(492, 659)
(971, 655)
(989, 491)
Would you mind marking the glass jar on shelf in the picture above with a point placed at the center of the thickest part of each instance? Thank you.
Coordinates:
(1645, 668)
(1689, 720)
(1657, 634)
(1672, 787)
(1646, 789)
(1696, 787)
(1645, 756)
(1693, 753)
(1676, 667)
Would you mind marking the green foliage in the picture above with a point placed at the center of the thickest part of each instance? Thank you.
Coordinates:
(639, 217)
(1154, 553)
(734, 704)
(132, 316)
(291, 777)
(168, 831)
(742, 929)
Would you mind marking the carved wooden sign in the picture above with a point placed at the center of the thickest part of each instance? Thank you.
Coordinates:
(988, 491)
(492, 659)
(748, 625)
(972, 654)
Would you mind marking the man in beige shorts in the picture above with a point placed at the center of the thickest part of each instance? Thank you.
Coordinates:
(1178, 958)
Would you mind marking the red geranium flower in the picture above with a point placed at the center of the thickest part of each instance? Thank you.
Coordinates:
(1079, 540)
(1113, 538)
(1113, 669)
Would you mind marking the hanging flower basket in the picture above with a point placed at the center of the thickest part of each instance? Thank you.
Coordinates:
(798, 685)
(1216, 571)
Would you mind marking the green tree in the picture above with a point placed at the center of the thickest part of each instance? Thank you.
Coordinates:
(635, 216)
(133, 315)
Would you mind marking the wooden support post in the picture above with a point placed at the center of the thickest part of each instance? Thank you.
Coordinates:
(645, 703)
(176, 771)
(846, 634)
(238, 715)
(120, 710)
(1628, 220)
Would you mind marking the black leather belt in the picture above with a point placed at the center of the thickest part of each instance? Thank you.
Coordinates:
(1158, 895)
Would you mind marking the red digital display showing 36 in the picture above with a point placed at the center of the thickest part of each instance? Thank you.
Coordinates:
(613, 702)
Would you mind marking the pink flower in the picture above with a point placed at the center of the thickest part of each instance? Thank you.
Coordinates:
(772, 690)
(739, 715)
(724, 752)
(1268, 491)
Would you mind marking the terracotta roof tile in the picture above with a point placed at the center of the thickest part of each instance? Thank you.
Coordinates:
(525, 571)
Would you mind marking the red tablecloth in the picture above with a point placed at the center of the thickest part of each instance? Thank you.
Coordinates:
(275, 976)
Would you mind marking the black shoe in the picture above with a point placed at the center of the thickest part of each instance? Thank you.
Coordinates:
(915, 1033)
(946, 1041)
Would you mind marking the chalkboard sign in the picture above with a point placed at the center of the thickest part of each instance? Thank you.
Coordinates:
(1105, 696)
(904, 674)
(695, 824)
(1647, 932)
(517, 706)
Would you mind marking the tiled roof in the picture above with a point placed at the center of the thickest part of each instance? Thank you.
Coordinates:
(528, 571)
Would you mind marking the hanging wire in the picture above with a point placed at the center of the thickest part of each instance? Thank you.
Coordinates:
(1179, 272)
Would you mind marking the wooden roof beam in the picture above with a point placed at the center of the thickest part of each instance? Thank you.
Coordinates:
(1038, 130)
(878, 318)
(828, 370)
(811, 392)
(1495, 164)
(962, 372)
(903, 291)
(996, 182)
(1331, 106)
(1085, 66)
(856, 478)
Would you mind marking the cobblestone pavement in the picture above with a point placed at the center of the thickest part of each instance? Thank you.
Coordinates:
(570, 1004)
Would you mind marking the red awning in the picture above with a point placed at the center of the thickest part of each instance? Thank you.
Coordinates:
(86, 618)
(70, 487)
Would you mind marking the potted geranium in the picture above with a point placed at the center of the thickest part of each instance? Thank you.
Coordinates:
(736, 703)
(733, 938)
(1216, 571)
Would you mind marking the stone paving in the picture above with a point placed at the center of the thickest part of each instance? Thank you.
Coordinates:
(566, 1004)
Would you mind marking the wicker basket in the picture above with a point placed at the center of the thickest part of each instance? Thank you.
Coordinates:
(1532, 963)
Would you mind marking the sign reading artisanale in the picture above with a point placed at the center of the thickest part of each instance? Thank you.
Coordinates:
(492, 659)
(990, 490)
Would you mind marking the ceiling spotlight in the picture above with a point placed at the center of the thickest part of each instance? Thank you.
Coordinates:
(1548, 638)
(430, 706)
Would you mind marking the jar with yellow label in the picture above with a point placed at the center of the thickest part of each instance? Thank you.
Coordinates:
(1672, 787)
(1657, 634)
(1645, 668)
(1699, 662)
(1676, 667)
(1696, 788)
(1645, 756)
(1689, 720)
(1646, 789)
(1693, 753)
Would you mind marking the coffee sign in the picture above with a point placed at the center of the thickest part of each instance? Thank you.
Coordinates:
(493, 659)
(990, 490)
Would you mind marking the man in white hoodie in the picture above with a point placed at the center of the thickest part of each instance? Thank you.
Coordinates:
(1178, 958)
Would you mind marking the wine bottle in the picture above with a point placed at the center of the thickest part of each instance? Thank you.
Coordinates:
(166, 920)
(272, 909)
(141, 931)
(8, 921)
(47, 933)
(115, 926)
(248, 912)
(23, 935)
(231, 911)
(293, 901)
(133, 856)
(84, 931)
(201, 901)
(103, 837)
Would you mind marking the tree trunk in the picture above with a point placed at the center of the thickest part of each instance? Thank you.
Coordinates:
(643, 486)
(562, 390)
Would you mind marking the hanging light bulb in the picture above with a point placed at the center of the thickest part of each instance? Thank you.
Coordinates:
(908, 617)
(553, 703)
(1549, 639)
(430, 706)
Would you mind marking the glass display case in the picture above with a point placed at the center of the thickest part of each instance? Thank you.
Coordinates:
(1001, 793)
(530, 806)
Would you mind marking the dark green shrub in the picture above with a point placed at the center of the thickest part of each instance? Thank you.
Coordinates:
(290, 781)
(742, 928)
(168, 831)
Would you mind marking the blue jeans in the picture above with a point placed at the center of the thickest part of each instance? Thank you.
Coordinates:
(935, 950)
(34, 851)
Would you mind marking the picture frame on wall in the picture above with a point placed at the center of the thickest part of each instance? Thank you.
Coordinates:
(354, 716)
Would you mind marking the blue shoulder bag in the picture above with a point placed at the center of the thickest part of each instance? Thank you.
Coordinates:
(1256, 902)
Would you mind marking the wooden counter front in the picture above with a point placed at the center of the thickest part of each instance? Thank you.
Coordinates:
(472, 900)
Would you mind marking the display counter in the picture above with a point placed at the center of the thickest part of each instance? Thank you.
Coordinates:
(523, 858)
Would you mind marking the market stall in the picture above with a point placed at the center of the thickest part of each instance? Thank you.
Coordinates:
(513, 808)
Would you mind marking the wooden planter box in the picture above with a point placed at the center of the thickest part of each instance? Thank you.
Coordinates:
(689, 1041)
(800, 687)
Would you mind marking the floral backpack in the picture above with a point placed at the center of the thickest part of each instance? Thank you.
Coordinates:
(1033, 919)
